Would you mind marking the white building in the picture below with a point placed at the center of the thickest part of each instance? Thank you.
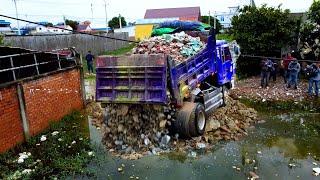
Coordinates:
(130, 30)
(225, 19)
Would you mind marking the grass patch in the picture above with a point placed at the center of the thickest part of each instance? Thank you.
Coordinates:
(62, 150)
(121, 51)
(89, 77)
(227, 37)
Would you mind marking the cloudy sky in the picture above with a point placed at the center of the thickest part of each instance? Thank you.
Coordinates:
(54, 10)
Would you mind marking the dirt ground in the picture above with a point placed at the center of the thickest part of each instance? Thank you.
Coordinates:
(277, 91)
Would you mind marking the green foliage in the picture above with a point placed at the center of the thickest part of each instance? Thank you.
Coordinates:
(227, 37)
(121, 51)
(314, 12)
(60, 155)
(310, 33)
(72, 23)
(261, 31)
(114, 22)
(205, 19)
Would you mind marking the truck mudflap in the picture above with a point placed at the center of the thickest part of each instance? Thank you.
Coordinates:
(137, 79)
(213, 98)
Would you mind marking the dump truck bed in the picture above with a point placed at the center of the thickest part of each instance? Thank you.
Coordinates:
(131, 79)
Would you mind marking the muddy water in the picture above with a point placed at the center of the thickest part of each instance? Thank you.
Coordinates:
(284, 147)
(268, 150)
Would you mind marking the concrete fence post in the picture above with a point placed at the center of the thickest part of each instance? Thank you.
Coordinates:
(25, 124)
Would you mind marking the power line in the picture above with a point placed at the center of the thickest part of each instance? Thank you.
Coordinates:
(73, 31)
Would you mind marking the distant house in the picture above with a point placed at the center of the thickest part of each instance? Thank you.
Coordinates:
(225, 19)
(183, 13)
(84, 27)
(299, 15)
(5, 28)
(60, 29)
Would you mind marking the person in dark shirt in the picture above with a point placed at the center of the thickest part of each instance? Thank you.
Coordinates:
(293, 69)
(266, 68)
(90, 58)
(286, 63)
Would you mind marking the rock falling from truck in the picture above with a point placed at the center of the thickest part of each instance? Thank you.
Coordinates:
(132, 131)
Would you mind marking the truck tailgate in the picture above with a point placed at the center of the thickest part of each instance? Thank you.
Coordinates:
(136, 78)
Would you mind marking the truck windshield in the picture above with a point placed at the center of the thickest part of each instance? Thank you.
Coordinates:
(226, 54)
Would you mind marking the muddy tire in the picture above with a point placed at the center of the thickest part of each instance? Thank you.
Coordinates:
(191, 120)
(197, 121)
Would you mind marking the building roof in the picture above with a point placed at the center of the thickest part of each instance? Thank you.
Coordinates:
(82, 27)
(4, 22)
(172, 12)
(154, 21)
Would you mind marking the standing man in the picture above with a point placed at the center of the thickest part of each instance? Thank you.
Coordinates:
(266, 68)
(274, 70)
(286, 63)
(293, 70)
(90, 58)
(313, 72)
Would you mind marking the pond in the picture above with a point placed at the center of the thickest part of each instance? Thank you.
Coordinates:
(286, 146)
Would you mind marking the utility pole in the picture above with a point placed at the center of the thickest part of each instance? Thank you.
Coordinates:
(120, 24)
(64, 21)
(215, 21)
(209, 18)
(105, 10)
(15, 4)
(91, 14)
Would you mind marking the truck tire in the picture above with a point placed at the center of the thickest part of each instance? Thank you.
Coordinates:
(191, 120)
(197, 121)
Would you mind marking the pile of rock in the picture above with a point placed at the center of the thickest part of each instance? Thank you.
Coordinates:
(230, 122)
(132, 131)
(179, 46)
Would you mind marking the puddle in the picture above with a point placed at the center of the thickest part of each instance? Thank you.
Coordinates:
(279, 142)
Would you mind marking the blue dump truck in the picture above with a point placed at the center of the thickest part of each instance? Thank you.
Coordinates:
(194, 87)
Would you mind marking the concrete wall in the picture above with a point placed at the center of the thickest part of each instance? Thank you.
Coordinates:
(81, 42)
(45, 99)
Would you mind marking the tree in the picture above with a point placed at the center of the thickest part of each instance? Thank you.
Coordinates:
(72, 23)
(205, 19)
(310, 34)
(263, 32)
(114, 22)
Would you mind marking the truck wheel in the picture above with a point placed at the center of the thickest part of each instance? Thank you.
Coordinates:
(191, 120)
(197, 122)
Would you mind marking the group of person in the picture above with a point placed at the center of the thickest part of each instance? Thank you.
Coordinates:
(290, 69)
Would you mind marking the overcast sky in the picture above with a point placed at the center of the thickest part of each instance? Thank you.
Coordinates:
(53, 10)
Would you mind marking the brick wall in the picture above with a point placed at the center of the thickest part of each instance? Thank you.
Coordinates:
(46, 99)
(11, 131)
(51, 98)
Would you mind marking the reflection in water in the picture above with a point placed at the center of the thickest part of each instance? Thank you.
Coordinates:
(287, 146)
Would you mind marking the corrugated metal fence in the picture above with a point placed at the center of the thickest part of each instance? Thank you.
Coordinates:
(81, 42)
